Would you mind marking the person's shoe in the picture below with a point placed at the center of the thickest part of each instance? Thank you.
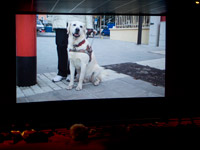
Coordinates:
(58, 78)
(68, 78)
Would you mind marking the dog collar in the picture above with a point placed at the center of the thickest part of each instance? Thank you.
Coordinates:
(79, 44)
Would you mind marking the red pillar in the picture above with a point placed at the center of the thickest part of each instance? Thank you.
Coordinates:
(26, 65)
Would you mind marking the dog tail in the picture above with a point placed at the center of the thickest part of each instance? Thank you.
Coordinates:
(107, 74)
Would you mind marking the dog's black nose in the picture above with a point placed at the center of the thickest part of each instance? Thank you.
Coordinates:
(77, 30)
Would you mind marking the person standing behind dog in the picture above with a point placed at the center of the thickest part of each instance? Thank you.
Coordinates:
(59, 23)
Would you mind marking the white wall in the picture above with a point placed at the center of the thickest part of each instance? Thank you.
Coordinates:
(129, 34)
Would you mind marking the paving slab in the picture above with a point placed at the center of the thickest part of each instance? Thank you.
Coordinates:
(155, 63)
(121, 87)
(145, 86)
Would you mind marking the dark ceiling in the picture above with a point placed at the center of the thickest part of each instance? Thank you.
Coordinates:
(156, 7)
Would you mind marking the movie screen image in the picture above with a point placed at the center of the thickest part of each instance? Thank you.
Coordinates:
(87, 57)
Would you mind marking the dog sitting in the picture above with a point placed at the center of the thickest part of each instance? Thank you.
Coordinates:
(81, 56)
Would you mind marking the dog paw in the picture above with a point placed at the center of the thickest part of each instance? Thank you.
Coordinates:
(69, 87)
(96, 82)
(78, 88)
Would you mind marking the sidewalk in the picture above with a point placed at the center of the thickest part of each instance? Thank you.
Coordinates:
(115, 86)
(107, 52)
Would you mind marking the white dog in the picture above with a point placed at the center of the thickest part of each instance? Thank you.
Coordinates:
(81, 57)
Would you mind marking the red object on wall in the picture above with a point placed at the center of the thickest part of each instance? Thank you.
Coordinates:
(163, 18)
(25, 35)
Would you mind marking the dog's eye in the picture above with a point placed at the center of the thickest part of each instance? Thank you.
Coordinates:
(74, 24)
(81, 26)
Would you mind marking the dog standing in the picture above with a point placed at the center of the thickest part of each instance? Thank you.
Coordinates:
(81, 56)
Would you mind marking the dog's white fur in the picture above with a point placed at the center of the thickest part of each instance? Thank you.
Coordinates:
(87, 71)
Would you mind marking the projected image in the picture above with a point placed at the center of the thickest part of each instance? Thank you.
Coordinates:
(87, 57)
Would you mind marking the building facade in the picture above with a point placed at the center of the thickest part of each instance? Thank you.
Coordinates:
(126, 29)
(153, 29)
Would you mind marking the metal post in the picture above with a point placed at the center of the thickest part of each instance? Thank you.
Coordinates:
(139, 39)
(100, 25)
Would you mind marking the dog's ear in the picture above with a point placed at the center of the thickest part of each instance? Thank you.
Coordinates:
(68, 27)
